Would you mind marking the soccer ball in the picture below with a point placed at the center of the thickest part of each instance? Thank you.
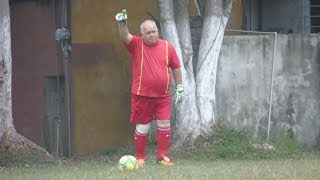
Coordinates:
(127, 163)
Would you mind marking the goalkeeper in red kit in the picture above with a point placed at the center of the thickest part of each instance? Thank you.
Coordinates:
(151, 61)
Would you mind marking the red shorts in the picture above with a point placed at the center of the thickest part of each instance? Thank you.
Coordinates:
(145, 109)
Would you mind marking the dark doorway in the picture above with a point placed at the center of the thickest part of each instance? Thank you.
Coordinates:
(54, 124)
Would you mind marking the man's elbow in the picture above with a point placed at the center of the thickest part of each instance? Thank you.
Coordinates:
(177, 69)
(126, 38)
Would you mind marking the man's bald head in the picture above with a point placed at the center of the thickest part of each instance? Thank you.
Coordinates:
(149, 32)
(148, 23)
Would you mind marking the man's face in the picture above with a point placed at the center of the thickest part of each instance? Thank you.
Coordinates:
(150, 33)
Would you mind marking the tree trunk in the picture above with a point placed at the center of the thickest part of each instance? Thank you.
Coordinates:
(5, 70)
(195, 115)
(186, 112)
(215, 21)
(10, 140)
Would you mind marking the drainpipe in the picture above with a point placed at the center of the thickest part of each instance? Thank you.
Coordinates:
(63, 36)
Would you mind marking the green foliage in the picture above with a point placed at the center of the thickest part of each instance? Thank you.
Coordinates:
(226, 143)
(287, 144)
(232, 143)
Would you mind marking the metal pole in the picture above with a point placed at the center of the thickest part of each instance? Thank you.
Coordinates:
(58, 121)
(63, 35)
(67, 78)
(68, 117)
(271, 87)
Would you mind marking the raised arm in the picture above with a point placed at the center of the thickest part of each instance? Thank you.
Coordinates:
(125, 36)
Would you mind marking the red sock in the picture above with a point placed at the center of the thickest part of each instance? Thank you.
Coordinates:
(140, 141)
(163, 139)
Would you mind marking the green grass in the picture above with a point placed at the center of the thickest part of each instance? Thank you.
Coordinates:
(305, 168)
(228, 154)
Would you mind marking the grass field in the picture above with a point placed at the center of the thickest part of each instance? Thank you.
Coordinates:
(307, 167)
(229, 154)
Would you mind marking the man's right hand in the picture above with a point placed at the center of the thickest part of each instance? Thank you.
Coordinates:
(125, 36)
(122, 17)
(179, 93)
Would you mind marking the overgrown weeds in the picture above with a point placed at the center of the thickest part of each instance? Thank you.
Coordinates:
(231, 143)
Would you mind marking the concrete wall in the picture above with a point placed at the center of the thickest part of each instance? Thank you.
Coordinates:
(244, 81)
(33, 58)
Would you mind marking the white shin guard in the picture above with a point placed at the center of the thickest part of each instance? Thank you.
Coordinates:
(143, 128)
(163, 125)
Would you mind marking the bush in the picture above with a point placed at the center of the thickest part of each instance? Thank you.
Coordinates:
(287, 144)
(231, 143)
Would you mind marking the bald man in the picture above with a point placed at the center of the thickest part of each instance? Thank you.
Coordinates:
(151, 60)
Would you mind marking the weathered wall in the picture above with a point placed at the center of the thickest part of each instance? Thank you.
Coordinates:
(33, 58)
(244, 80)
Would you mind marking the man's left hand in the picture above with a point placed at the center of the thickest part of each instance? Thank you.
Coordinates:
(179, 93)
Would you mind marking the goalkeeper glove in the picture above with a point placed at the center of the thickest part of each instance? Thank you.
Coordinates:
(122, 17)
(179, 93)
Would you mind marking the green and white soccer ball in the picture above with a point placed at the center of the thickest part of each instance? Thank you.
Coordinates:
(127, 163)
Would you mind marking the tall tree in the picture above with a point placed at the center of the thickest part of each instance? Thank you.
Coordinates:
(10, 140)
(196, 114)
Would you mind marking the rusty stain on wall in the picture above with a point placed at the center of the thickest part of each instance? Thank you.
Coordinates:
(101, 97)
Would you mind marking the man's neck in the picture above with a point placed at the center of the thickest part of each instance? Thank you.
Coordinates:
(151, 44)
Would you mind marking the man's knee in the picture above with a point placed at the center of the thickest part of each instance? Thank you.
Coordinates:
(143, 128)
(163, 124)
